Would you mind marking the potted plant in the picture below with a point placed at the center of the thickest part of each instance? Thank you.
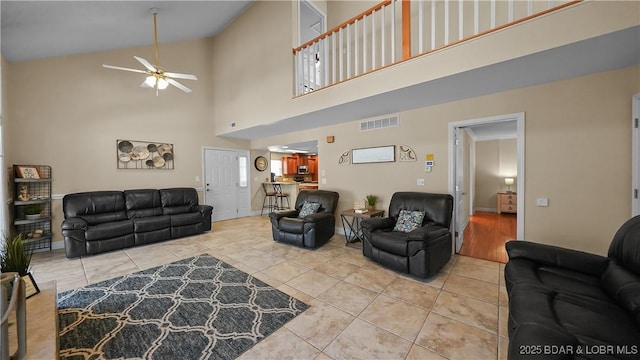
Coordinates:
(371, 201)
(32, 211)
(13, 257)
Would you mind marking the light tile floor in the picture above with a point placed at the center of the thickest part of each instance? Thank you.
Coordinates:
(359, 310)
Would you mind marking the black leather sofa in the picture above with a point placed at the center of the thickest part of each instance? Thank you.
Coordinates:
(313, 230)
(421, 252)
(101, 221)
(567, 304)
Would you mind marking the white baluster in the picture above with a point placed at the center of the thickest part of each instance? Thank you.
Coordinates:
(364, 44)
(384, 11)
(446, 22)
(383, 25)
(420, 26)
(341, 54)
(476, 16)
(298, 75)
(356, 46)
(433, 24)
(510, 10)
(460, 19)
(348, 30)
(493, 13)
(311, 61)
(333, 57)
(373, 40)
(393, 31)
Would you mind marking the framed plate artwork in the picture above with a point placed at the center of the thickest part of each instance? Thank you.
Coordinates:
(132, 154)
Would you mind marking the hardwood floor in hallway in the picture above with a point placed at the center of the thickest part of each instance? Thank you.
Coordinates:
(486, 234)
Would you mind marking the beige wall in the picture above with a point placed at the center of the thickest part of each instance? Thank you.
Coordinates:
(494, 160)
(569, 125)
(251, 72)
(258, 70)
(487, 174)
(67, 112)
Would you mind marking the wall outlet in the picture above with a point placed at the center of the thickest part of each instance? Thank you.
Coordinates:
(197, 178)
(542, 202)
(420, 182)
(324, 181)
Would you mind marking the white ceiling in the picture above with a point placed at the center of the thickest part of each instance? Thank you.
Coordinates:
(41, 29)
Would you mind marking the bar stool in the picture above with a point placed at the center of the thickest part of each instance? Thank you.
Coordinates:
(277, 188)
(270, 200)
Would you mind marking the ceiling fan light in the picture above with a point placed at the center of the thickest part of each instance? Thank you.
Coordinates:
(151, 81)
(162, 83)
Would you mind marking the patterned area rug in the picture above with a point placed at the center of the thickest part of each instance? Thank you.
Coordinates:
(196, 308)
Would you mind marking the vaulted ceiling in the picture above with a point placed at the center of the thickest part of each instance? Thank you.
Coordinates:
(42, 29)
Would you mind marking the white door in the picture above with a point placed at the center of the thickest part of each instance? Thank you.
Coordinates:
(460, 193)
(226, 185)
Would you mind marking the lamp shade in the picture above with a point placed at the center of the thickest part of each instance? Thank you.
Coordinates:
(508, 181)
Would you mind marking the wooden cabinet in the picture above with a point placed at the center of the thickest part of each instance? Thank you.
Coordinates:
(313, 167)
(289, 165)
(507, 203)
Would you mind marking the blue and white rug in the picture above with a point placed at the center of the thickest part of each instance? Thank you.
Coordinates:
(196, 308)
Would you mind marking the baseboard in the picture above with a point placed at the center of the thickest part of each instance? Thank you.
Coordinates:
(486, 209)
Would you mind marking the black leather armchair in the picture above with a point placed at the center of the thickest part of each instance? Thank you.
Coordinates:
(421, 252)
(313, 230)
(568, 304)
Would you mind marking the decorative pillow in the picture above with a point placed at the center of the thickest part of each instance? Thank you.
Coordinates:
(409, 220)
(308, 208)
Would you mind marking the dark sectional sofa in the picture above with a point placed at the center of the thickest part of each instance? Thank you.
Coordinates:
(567, 304)
(101, 221)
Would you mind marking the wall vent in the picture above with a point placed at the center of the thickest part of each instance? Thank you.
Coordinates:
(379, 123)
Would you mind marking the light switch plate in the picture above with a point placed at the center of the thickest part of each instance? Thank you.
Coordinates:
(542, 202)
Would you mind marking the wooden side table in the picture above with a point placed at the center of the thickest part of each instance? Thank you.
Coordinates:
(507, 203)
(351, 223)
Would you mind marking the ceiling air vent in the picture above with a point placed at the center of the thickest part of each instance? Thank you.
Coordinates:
(379, 123)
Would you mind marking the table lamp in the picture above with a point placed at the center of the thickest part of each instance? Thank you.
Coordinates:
(508, 182)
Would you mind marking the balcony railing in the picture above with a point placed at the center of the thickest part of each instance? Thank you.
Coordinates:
(396, 30)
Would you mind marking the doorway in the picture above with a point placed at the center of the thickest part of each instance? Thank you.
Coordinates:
(226, 178)
(462, 179)
(311, 24)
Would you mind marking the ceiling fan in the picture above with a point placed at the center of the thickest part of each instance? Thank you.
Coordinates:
(156, 76)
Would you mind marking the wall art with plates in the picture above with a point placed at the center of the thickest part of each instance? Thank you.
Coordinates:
(132, 154)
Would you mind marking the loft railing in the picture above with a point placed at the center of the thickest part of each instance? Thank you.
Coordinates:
(396, 30)
(17, 303)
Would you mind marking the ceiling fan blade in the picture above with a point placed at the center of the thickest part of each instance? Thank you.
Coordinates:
(125, 69)
(178, 85)
(181, 76)
(146, 64)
